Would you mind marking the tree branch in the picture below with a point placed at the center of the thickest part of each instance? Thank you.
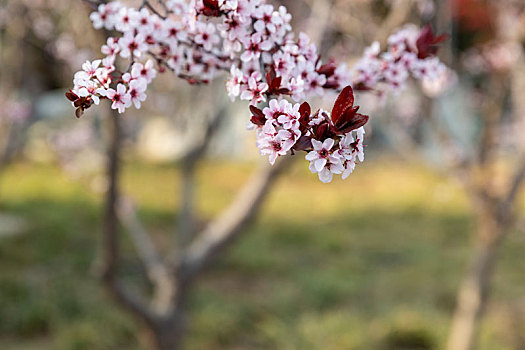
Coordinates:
(189, 162)
(110, 244)
(143, 243)
(221, 232)
(514, 189)
(156, 269)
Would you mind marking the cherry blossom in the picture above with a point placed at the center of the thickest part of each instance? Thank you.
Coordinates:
(268, 65)
(132, 45)
(146, 71)
(256, 88)
(121, 99)
(137, 88)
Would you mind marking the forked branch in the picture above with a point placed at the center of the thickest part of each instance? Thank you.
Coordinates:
(219, 233)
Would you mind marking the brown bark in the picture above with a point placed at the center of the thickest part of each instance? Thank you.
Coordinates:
(169, 334)
(492, 227)
(474, 290)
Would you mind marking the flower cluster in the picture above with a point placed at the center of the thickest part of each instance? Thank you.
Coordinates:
(410, 53)
(267, 63)
(334, 141)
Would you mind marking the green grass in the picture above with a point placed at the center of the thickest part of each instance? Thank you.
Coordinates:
(369, 263)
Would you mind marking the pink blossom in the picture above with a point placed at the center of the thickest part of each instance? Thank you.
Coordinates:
(121, 99)
(255, 90)
(254, 46)
(254, 42)
(137, 88)
(132, 45)
(146, 71)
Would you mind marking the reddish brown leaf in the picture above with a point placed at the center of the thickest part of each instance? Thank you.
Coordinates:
(211, 8)
(305, 110)
(327, 69)
(427, 43)
(276, 83)
(256, 111)
(358, 120)
(270, 75)
(258, 117)
(79, 112)
(71, 96)
(284, 91)
(304, 143)
(344, 101)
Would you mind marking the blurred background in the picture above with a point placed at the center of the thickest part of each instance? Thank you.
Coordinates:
(402, 255)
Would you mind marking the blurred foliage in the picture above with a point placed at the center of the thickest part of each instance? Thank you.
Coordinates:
(375, 266)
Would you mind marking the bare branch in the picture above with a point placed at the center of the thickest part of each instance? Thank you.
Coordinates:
(514, 189)
(131, 302)
(221, 232)
(164, 6)
(197, 151)
(141, 239)
(146, 3)
(156, 269)
(186, 222)
(110, 248)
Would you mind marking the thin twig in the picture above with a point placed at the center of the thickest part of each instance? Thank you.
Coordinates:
(146, 3)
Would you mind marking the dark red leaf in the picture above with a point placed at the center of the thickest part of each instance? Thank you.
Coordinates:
(321, 130)
(427, 42)
(257, 120)
(284, 91)
(256, 111)
(305, 110)
(211, 8)
(258, 117)
(344, 101)
(71, 96)
(331, 85)
(304, 143)
(276, 83)
(358, 120)
(304, 119)
(79, 112)
(270, 75)
(211, 3)
(327, 69)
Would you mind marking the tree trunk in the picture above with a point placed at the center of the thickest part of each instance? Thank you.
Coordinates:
(475, 287)
(169, 334)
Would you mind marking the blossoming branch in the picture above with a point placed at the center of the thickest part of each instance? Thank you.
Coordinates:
(267, 64)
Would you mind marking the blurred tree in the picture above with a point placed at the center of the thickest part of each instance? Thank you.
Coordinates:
(493, 189)
(478, 133)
